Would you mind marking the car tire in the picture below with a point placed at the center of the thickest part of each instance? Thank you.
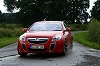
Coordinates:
(21, 54)
(65, 49)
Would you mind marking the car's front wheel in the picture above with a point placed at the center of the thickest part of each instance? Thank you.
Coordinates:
(21, 54)
(65, 48)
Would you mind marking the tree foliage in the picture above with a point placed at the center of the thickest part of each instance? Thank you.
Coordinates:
(35, 10)
(7, 18)
(79, 8)
(2, 17)
(95, 12)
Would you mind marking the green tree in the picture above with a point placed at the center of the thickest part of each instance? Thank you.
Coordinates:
(9, 18)
(35, 10)
(95, 12)
(0, 16)
(79, 11)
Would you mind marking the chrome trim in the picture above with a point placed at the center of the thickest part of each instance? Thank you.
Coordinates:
(37, 39)
(41, 40)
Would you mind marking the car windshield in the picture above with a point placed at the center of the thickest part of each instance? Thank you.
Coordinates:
(48, 26)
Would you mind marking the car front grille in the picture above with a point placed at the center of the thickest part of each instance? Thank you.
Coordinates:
(37, 40)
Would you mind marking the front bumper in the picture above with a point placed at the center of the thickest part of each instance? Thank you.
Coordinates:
(49, 47)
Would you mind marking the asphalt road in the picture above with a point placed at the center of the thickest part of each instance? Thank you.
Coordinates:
(78, 56)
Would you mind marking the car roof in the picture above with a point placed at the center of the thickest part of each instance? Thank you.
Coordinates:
(51, 21)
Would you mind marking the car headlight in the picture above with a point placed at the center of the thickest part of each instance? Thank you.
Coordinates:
(22, 37)
(55, 38)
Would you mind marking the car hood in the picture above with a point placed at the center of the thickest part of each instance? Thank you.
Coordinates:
(43, 33)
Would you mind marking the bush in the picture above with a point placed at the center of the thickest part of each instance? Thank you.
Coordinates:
(9, 26)
(78, 27)
(94, 31)
(10, 30)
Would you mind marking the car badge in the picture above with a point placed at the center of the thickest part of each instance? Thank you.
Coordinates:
(37, 39)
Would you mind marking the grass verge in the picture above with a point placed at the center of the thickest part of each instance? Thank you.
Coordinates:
(81, 38)
(7, 41)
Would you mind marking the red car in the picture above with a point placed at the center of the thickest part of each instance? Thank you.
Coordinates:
(45, 37)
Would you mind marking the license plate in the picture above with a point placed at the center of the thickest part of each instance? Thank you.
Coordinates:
(37, 47)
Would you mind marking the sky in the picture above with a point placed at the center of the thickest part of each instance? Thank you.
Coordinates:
(4, 10)
(91, 4)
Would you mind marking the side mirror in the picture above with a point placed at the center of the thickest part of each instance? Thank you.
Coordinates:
(68, 29)
(25, 29)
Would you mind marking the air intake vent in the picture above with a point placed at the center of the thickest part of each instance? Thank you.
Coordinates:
(24, 47)
(52, 46)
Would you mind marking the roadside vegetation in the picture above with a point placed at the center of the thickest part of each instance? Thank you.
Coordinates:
(94, 31)
(9, 33)
(90, 38)
(10, 30)
(78, 27)
(7, 41)
(82, 38)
